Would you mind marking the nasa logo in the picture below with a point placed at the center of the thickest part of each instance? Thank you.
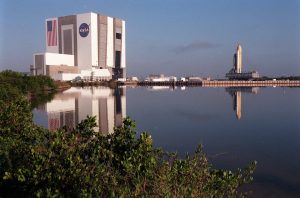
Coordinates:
(84, 30)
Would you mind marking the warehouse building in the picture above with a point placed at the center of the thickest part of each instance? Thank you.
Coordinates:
(89, 46)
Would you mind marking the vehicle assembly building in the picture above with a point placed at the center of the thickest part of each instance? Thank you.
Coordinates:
(88, 46)
(236, 72)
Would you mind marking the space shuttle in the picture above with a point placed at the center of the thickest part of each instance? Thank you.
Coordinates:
(237, 59)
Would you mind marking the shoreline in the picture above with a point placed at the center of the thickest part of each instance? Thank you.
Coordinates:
(203, 83)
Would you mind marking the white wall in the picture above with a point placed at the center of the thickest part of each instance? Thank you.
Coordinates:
(97, 72)
(101, 72)
(86, 72)
(83, 73)
(59, 59)
(84, 44)
(94, 39)
(123, 54)
(64, 76)
(53, 49)
(110, 42)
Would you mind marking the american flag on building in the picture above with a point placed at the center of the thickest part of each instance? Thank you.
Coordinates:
(51, 33)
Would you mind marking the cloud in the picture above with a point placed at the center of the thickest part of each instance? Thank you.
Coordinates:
(195, 46)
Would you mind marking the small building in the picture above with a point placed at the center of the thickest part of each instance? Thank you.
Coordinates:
(161, 78)
(157, 78)
(133, 78)
(88, 45)
(194, 78)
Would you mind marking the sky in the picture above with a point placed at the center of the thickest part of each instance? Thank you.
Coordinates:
(174, 37)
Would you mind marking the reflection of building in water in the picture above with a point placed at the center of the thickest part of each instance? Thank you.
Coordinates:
(57, 119)
(237, 104)
(161, 88)
(236, 93)
(73, 105)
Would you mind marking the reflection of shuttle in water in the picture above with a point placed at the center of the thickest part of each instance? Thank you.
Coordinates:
(237, 104)
(236, 93)
(73, 105)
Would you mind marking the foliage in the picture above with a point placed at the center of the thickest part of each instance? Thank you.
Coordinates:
(14, 84)
(288, 78)
(82, 162)
(279, 78)
(26, 83)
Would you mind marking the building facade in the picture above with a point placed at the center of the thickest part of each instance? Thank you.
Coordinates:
(87, 45)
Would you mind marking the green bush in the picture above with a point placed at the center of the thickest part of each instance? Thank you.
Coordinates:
(26, 83)
(14, 84)
(82, 162)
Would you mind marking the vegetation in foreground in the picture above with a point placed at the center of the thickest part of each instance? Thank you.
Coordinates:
(37, 162)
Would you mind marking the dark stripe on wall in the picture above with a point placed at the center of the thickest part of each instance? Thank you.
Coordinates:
(102, 41)
(117, 48)
(68, 20)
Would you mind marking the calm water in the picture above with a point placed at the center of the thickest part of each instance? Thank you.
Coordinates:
(235, 126)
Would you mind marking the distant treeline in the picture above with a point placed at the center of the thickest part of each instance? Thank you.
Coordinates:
(38, 89)
(280, 78)
(13, 83)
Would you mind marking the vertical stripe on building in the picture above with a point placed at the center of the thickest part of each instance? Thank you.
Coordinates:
(102, 40)
(110, 42)
(123, 58)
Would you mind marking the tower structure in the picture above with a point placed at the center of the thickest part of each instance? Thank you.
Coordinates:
(237, 59)
(236, 73)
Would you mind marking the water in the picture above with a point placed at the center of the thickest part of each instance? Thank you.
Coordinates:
(235, 126)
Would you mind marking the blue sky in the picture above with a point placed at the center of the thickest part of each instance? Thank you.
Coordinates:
(174, 37)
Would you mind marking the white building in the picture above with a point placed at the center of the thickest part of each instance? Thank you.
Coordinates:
(89, 45)
(160, 78)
